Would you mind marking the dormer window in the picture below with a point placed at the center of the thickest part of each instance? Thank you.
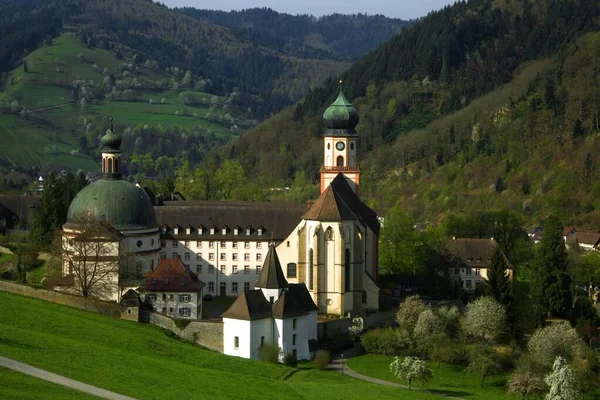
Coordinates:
(224, 230)
(199, 230)
(236, 231)
(212, 230)
(164, 229)
(167, 281)
(176, 230)
(248, 230)
(259, 231)
(154, 281)
(188, 230)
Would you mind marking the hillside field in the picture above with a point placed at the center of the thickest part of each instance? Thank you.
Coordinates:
(48, 136)
(144, 362)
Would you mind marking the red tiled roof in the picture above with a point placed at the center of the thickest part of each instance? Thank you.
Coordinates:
(172, 276)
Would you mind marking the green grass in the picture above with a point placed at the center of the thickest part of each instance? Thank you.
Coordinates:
(15, 386)
(143, 362)
(36, 275)
(447, 379)
(5, 258)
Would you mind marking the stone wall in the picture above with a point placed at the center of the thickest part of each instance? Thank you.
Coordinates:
(96, 306)
(208, 334)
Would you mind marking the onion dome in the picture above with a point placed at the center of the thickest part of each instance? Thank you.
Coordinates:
(120, 204)
(341, 114)
(111, 141)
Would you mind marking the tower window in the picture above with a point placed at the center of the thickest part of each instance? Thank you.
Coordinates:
(351, 146)
(340, 161)
(328, 146)
(110, 165)
(116, 168)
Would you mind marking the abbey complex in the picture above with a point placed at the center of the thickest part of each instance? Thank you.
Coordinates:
(329, 246)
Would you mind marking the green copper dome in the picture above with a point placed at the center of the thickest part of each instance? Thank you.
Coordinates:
(341, 114)
(111, 141)
(121, 204)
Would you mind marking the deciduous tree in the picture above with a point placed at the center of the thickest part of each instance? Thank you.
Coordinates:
(484, 317)
(561, 381)
(411, 368)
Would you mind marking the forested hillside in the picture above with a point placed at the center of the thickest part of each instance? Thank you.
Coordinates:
(337, 37)
(177, 86)
(482, 104)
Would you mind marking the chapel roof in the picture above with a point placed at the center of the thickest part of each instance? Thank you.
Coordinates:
(249, 306)
(271, 276)
(287, 306)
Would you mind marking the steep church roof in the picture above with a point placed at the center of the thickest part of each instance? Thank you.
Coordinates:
(271, 275)
(329, 207)
(339, 202)
(251, 305)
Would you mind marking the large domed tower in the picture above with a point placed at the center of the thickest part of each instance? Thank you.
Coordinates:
(340, 143)
(123, 209)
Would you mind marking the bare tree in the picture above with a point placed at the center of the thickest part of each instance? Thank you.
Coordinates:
(92, 256)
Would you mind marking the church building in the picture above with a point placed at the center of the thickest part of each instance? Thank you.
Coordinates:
(334, 248)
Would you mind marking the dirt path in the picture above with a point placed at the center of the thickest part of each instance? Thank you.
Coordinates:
(60, 380)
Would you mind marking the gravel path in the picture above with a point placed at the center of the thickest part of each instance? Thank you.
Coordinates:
(60, 380)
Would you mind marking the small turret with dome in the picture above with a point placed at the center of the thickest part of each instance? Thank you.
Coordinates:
(341, 117)
(111, 153)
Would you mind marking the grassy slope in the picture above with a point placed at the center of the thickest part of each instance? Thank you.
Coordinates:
(38, 143)
(447, 379)
(16, 386)
(141, 361)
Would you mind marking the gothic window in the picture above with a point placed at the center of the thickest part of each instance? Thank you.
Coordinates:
(347, 270)
(291, 270)
(340, 161)
(110, 165)
(329, 234)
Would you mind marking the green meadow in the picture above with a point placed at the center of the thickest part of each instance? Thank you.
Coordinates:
(145, 362)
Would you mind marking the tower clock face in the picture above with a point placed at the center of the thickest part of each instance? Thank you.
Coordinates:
(340, 146)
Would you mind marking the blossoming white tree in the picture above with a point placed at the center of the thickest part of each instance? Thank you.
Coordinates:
(484, 317)
(554, 340)
(411, 368)
(561, 381)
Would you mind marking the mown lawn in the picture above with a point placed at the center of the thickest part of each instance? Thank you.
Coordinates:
(142, 361)
(447, 379)
(17, 386)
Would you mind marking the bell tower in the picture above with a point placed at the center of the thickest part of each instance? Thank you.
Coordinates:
(340, 143)
(111, 154)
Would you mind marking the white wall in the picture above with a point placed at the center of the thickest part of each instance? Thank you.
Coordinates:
(241, 329)
(257, 252)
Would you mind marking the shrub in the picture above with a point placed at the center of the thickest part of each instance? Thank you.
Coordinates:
(386, 341)
(290, 360)
(182, 323)
(270, 352)
(322, 359)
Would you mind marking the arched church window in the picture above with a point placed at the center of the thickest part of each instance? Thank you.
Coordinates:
(311, 270)
(347, 269)
(340, 161)
(329, 234)
(110, 165)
